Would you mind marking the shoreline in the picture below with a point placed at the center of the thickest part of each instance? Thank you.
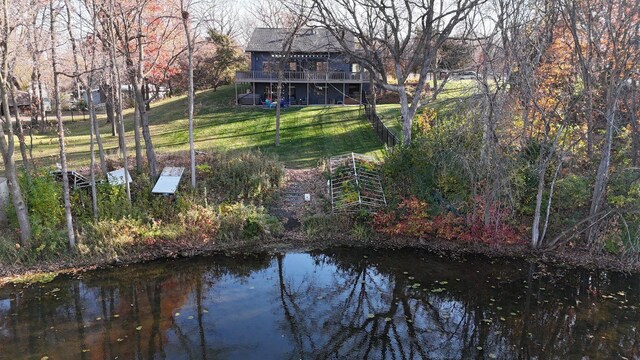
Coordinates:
(567, 258)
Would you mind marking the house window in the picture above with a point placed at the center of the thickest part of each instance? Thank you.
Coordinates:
(293, 66)
(322, 66)
(269, 66)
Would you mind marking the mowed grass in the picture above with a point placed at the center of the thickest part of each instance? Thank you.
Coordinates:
(308, 134)
(448, 103)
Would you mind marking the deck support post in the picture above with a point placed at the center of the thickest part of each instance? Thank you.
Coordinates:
(344, 95)
(308, 101)
(236, 86)
(253, 93)
(326, 86)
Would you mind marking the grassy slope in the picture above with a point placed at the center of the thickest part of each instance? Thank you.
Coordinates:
(448, 102)
(308, 134)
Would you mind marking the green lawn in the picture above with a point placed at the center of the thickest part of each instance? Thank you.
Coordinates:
(455, 92)
(308, 134)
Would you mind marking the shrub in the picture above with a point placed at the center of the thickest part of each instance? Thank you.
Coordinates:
(247, 176)
(411, 218)
(239, 221)
(43, 196)
(199, 223)
(116, 236)
(9, 252)
(322, 225)
(438, 166)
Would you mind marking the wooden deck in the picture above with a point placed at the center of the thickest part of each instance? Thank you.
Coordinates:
(303, 77)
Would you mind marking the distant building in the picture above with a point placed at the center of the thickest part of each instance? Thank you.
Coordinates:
(316, 72)
(22, 102)
(99, 96)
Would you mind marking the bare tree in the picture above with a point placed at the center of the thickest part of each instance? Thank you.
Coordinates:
(607, 47)
(136, 26)
(110, 40)
(6, 137)
(63, 153)
(220, 16)
(36, 38)
(405, 34)
(190, 91)
(274, 15)
(20, 128)
(293, 29)
(87, 85)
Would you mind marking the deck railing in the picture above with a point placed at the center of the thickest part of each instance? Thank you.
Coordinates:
(303, 76)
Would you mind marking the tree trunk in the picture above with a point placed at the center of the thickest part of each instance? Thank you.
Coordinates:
(96, 127)
(63, 154)
(136, 137)
(36, 83)
(146, 133)
(137, 81)
(278, 99)
(43, 110)
(34, 97)
(407, 120)
(602, 176)
(374, 95)
(108, 89)
(191, 93)
(535, 228)
(118, 106)
(6, 148)
(7, 145)
(92, 171)
(631, 105)
(23, 145)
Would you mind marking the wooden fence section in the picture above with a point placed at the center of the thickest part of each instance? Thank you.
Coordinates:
(384, 134)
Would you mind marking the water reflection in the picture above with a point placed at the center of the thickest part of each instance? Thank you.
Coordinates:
(343, 303)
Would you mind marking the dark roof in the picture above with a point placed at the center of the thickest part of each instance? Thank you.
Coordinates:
(22, 98)
(306, 41)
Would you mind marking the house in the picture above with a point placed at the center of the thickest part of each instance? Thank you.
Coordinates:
(99, 95)
(22, 102)
(315, 71)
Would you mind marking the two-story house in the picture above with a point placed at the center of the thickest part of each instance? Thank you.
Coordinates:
(314, 71)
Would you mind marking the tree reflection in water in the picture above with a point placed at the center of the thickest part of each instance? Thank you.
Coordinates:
(342, 303)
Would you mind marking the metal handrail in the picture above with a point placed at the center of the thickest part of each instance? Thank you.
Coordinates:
(303, 75)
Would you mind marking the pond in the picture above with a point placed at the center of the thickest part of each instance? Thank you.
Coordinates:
(341, 303)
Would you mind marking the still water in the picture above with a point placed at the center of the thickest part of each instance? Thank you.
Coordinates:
(337, 304)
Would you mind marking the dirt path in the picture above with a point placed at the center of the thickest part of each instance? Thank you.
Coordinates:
(291, 206)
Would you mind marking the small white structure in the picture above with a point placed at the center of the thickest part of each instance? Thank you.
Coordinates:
(117, 177)
(4, 200)
(168, 182)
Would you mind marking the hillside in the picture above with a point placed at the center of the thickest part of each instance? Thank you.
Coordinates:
(308, 134)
